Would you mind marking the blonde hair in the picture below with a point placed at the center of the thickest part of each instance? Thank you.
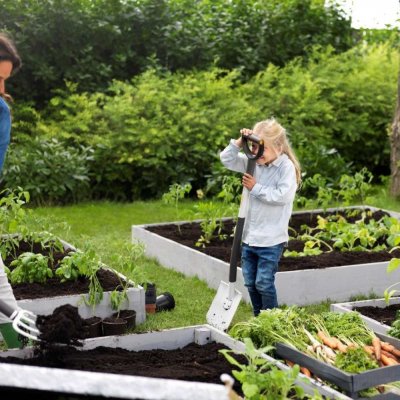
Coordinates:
(274, 134)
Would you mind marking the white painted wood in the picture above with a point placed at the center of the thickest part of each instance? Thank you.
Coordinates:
(293, 287)
(375, 325)
(127, 387)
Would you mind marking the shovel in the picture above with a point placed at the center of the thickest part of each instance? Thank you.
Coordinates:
(227, 299)
(23, 321)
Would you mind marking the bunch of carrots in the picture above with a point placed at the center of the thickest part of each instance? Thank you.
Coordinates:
(327, 347)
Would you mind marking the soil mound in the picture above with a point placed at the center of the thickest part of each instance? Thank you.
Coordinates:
(64, 326)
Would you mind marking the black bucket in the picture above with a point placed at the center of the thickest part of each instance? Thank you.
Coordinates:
(165, 302)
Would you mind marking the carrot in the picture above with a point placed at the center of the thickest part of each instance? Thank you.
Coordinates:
(340, 346)
(388, 361)
(305, 371)
(290, 363)
(369, 350)
(388, 354)
(328, 341)
(376, 344)
(390, 348)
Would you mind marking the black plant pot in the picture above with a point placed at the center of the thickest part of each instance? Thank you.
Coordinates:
(165, 302)
(93, 327)
(129, 316)
(114, 326)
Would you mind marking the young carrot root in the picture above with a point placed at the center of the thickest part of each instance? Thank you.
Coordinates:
(390, 355)
(305, 371)
(376, 344)
(290, 363)
(390, 348)
(328, 341)
(369, 350)
(388, 361)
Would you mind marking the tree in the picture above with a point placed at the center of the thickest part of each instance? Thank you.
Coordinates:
(395, 148)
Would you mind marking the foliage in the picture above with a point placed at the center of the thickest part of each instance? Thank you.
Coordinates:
(175, 193)
(50, 170)
(140, 137)
(349, 189)
(394, 330)
(29, 268)
(261, 380)
(364, 234)
(126, 262)
(355, 360)
(124, 38)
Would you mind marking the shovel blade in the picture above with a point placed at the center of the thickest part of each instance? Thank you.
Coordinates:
(223, 308)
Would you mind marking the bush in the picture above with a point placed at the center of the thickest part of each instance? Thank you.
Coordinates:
(166, 127)
(91, 42)
(50, 171)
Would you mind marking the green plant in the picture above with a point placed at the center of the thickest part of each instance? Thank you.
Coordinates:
(30, 268)
(12, 218)
(69, 267)
(212, 224)
(126, 263)
(51, 170)
(87, 264)
(175, 193)
(261, 380)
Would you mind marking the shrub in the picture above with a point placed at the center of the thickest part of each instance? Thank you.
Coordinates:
(49, 170)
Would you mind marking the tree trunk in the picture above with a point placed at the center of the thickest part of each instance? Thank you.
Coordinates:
(395, 148)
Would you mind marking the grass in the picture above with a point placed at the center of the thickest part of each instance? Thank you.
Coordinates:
(106, 226)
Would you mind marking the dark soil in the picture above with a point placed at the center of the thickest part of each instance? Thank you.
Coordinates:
(192, 363)
(189, 234)
(53, 287)
(64, 325)
(386, 315)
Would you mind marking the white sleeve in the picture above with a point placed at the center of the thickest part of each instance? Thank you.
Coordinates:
(232, 158)
(280, 194)
(6, 293)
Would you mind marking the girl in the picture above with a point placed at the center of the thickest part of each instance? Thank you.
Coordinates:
(272, 190)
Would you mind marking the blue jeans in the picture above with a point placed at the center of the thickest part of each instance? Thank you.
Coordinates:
(259, 266)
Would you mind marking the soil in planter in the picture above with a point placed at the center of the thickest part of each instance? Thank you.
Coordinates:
(386, 315)
(53, 287)
(189, 234)
(191, 363)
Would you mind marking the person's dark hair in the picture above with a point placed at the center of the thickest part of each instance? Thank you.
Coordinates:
(8, 52)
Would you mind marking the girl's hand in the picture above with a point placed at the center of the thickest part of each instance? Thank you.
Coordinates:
(248, 181)
(245, 132)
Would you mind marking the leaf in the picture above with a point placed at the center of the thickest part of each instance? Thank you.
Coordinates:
(393, 265)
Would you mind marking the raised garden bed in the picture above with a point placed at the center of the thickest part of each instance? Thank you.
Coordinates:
(300, 280)
(377, 315)
(152, 354)
(43, 298)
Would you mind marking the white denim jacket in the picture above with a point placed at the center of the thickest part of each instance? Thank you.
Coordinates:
(271, 199)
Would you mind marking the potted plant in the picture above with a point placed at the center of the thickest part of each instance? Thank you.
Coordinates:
(126, 261)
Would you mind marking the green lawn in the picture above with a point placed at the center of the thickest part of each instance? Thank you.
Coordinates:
(107, 226)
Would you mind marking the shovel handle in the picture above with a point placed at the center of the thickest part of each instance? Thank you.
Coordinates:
(255, 139)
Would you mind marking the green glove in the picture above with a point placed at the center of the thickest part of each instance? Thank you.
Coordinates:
(10, 336)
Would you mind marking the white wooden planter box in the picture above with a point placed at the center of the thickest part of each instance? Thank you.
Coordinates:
(131, 387)
(46, 305)
(293, 287)
(375, 325)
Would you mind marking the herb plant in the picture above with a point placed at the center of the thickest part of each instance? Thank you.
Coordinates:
(261, 380)
(30, 268)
